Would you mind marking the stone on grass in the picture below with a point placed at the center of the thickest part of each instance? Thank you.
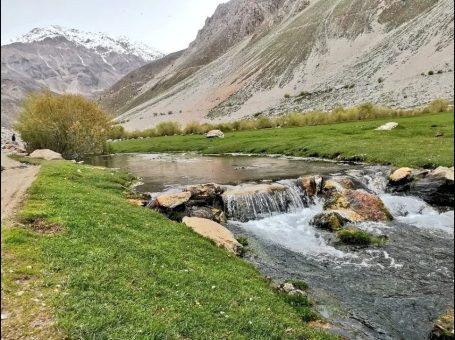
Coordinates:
(215, 134)
(215, 232)
(46, 154)
(387, 127)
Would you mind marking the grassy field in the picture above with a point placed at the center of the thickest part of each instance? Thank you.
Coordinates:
(88, 264)
(422, 141)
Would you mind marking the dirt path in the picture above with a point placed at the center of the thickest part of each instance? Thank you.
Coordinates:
(16, 178)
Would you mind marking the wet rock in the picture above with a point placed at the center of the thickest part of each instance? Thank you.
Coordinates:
(205, 192)
(243, 190)
(311, 184)
(401, 175)
(387, 126)
(329, 220)
(358, 205)
(212, 214)
(214, 231)
(171, 201)
(215, 134)
(46, 154)
(434, 187)
(444, 327)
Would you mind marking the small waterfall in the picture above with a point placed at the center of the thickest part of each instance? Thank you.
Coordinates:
(255, 201)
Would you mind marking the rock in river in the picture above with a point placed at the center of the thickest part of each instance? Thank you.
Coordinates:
(171, 201)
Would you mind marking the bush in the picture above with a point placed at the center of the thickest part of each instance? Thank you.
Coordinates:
(287, 95)
(68, 124)
(430, 73)
(117, 132)
(265, 123)
(168, 129)
(380, 80)
(438, 105)
(193, 128)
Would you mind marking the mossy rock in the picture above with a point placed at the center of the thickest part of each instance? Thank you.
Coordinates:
(332, 221)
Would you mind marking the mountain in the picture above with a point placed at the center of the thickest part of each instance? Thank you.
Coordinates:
(323, 54)
(65, 60)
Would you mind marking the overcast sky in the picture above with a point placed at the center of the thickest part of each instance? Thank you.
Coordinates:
(167, 25)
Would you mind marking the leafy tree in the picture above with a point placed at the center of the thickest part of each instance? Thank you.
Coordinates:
(68, 124)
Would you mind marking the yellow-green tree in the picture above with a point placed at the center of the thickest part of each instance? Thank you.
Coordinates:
(68, 124)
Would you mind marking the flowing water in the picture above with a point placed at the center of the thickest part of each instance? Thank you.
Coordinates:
(392, 292)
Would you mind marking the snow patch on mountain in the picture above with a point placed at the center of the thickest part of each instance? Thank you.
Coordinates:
(100, 42)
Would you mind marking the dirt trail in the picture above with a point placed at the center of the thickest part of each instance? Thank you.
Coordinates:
(16, 178)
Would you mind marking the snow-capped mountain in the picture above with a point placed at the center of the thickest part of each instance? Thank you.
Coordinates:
(99, 41)
(65, 60)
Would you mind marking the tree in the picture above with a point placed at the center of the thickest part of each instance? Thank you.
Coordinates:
(68, 124)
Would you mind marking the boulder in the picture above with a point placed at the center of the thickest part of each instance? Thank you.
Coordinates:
(387, 126)
(205, 192)
(400, 175)
(330, 220)
(358, 205)
(311, 184)
(46, 154)
(253, 189)
(215, 232)
(207, 213)
(435, 187)
(444, 327)
(215, 134)
(171, 201)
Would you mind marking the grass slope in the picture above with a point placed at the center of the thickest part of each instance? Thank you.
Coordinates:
(413, 143)
(118, 271)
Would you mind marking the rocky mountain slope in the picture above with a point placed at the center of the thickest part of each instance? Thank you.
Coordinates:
(65, 60)
(321, 53)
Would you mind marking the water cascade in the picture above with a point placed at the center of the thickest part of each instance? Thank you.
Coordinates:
(256, 201)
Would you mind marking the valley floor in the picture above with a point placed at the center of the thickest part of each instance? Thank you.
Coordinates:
(421, 141)
(83, 262)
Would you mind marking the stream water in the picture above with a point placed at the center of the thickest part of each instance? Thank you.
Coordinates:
(393, 292)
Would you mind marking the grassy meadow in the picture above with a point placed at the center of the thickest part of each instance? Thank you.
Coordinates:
(85, 263)
(425, 140)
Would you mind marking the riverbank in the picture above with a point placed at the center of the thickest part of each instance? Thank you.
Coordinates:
(86, 262)
(421, 141)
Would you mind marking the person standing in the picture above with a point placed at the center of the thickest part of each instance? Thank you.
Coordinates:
(13, 138)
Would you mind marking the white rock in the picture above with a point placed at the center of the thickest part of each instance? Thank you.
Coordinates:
(46, 154)
(387, 126)
(215, 134)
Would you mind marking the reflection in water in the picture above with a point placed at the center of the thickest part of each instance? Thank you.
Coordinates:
(159, 171)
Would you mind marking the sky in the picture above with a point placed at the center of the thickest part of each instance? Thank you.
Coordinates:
(167, 25)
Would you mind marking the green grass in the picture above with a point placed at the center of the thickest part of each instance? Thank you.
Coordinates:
(118, 271)
(358, 237)
(413, 143)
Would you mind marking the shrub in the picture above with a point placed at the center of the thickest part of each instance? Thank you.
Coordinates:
(430, 73)
(287, 95)
(193, 128)
(438, 105)
(265, 123)
(298, 284)
(117, 132)
(68, 124)
(167, 129)
(440, 71)
(380, 80)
